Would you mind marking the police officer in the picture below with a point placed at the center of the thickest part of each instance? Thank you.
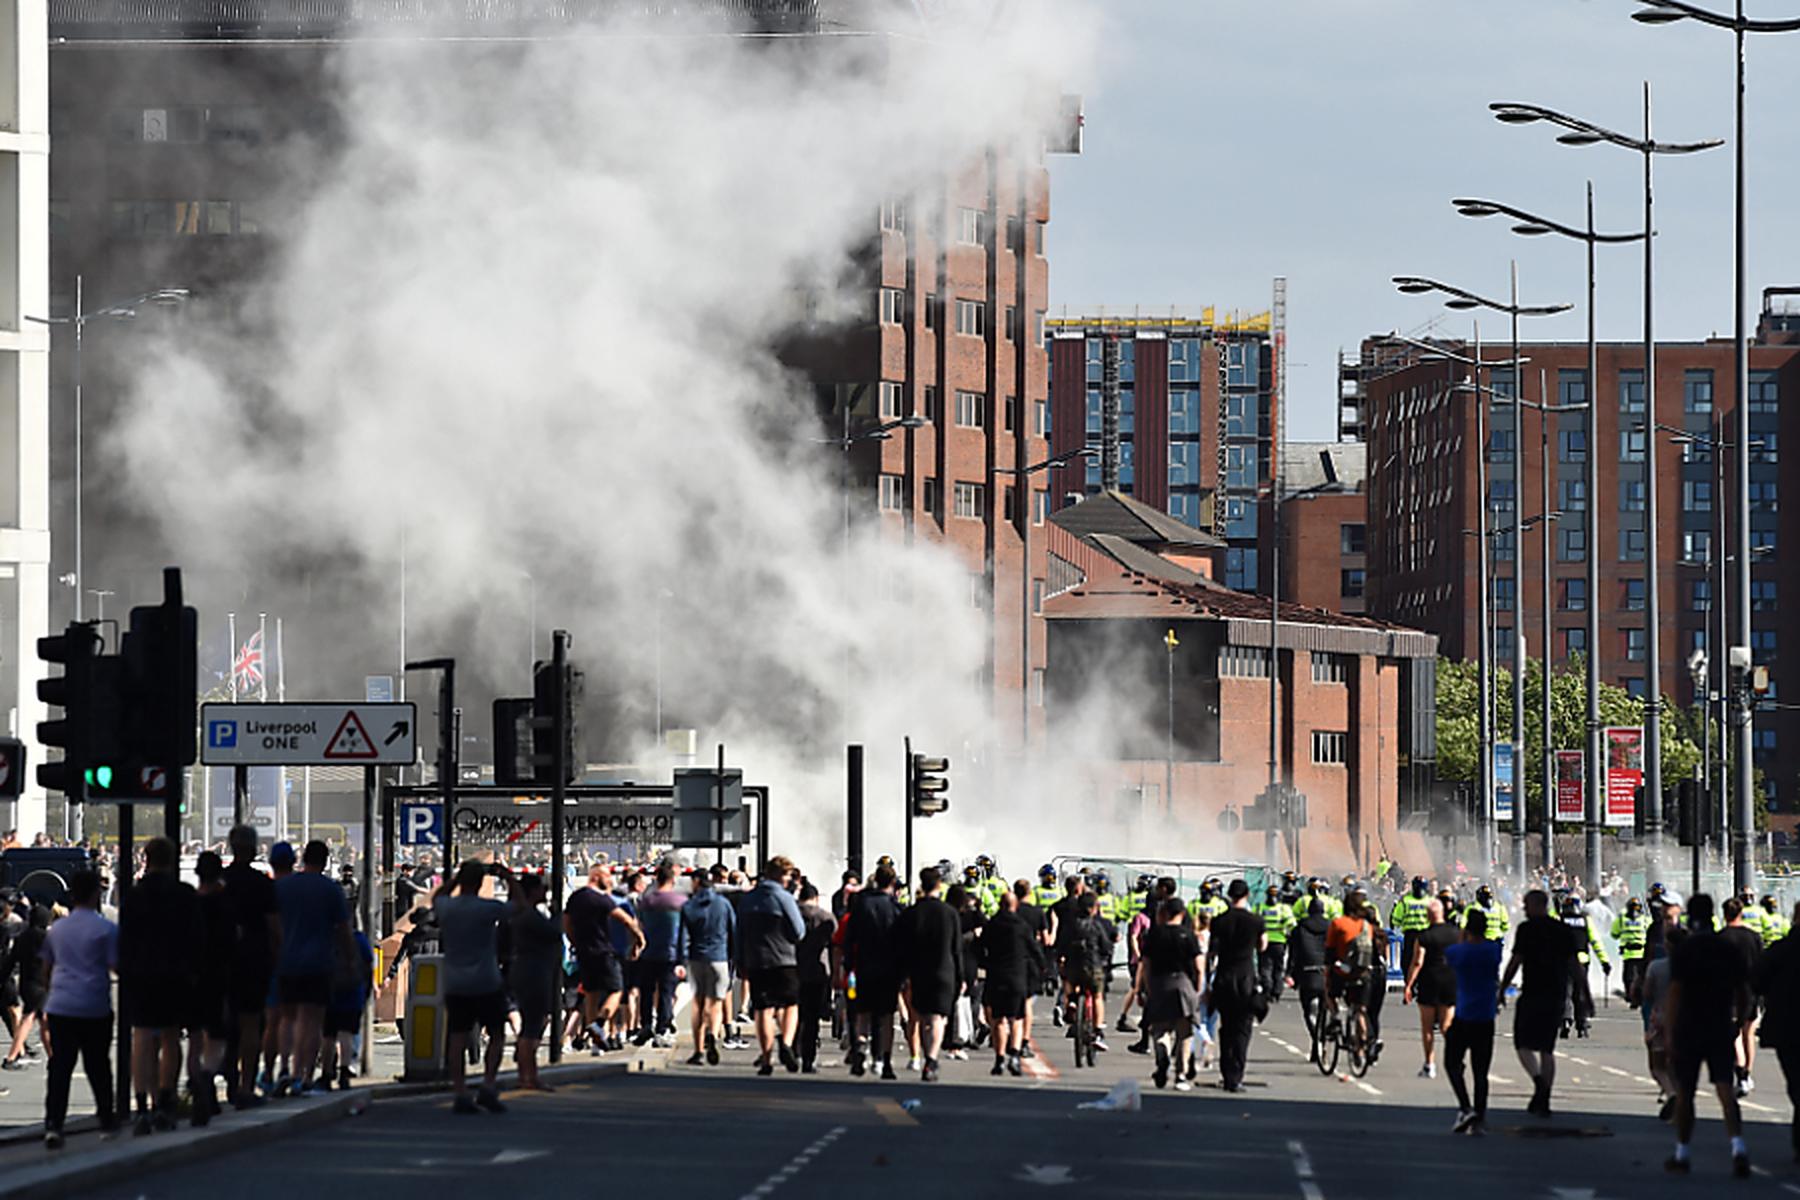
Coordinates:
(1047, 892)
(1208, 901)
(977, 887)
(1411, 916)
(1581, 997)
(1753, 914)
(1318, 889)
(902, 893)
(1774, 925)
(991, 883)
(1278, 922)
(1492, 910)
(1290, 889)
(1631, 929)
(1106, 905)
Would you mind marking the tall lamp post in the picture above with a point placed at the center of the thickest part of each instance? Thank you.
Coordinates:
(1663, 12)
(1531, 225)
(1577, 132)
(124, 310)
(1026, 511)
(1463, 300)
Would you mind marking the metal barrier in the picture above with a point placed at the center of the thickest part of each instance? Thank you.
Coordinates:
(425, 1018)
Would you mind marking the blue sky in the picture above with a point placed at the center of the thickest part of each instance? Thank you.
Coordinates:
(1230, 141)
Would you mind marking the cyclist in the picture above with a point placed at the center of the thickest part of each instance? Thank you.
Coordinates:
(1306, 960)
(1086, 951)
(1352, 956)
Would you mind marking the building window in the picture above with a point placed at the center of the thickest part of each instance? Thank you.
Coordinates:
(893, 493)
(1505, 594)
(1765, 392)
(1574, 595)
(1571, 387)
(931, 403)
(1184, 360)
(1763, 497)
(1571, 544)
(893, 399)
(1696, 495)
(1631, 545)
(893, 216)
(1007, 511)
(1012, 323)
(1010, 414)
(1241, 568)
(1631, 445)
(1762, 595)
(1040, 506)
(971, 410)
(1503, 544)
(1037, 597)
(1353, 539)
(1632, 599)
(970, 500)
(1351, 582)
(1243, 662)
(1330, 749)
(1330, 668)
(1631, 391)
(1696, 545)
(1634, 645)
(1571, 445)
(971, 226)
(1762, 645)
(1631, 495)
(1037, 674)
(1572, 495)
(1184, 410)
(1634, 687)
(932, 500)
(1697, 391)
(1500, 446)
(1769, 451)
(893, 306)
(1762, 539)
(1501, 494)
(1040, 420)
(1240, 467)
(971, 318)
(1574, 642)
(1184, 464)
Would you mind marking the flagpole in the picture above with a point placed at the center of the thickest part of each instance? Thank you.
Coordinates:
(280, 666)
(231, 650)
(262, 641)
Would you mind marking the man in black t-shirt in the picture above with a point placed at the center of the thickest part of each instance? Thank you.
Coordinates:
(1037, 977)
(1749, 946)
(1708, 988)
(587, 920)
(250, 895)
(1545, 949)
(1238, 936)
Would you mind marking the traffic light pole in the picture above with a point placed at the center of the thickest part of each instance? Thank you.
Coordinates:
(366, 902)
(447, 747)
(559, 795)
(122, 871)
(909, 815)
(853, 815)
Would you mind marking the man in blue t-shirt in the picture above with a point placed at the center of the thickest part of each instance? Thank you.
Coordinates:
(1476, 961)
(315, 931)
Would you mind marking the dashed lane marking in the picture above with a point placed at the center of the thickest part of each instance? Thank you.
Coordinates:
(1368, 1087)
(799, 1162)
(1499, 1079)
(1616, 1071)
(1303, 1171)
(889, 1110)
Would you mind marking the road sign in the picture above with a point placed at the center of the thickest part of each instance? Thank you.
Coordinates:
(308, 735)
(378, 689)
(422, 823)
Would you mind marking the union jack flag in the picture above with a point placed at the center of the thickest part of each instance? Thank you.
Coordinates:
(247, 668)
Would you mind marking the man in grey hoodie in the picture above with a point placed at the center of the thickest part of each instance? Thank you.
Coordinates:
(709, 924)
(769, 931)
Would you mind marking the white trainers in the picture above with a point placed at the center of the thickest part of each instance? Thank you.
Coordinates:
(912, 1064)
(1428, 1071)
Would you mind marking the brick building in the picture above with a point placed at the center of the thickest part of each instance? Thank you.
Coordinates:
(1181, 413)
(1422, 497)
(1324, 558)
(1355, 698)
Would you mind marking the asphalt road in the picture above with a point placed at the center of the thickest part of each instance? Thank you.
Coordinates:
(1293, 1133)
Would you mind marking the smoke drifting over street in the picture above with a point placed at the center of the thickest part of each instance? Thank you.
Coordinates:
(534, 306)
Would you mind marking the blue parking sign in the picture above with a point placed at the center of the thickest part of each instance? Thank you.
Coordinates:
(222, 735)
(422, 823)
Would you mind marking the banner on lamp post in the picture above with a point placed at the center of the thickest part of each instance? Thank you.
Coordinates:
(1503, 782)
(1571, 792)
(1624, 773)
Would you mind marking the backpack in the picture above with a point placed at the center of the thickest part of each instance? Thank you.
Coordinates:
(1361, 955)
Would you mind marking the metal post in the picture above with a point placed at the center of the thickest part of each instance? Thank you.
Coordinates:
(1653, 794)
(1484, 667)
(1518, 544)
(240, 793)
(1023, 509)
(367, 907)
(559, 794)
(1594, 813)
(388, 863)
(1743, 865)
(853, 812)
(1274, 659)
(1169, 760)
(719, 807)
(1549, 755)
(80, 322)
(123, 869)
(909, 815)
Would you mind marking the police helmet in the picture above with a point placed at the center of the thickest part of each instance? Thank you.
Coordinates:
(886, 860)
(1657, 889)
(1207, 888)
(1771, 904)
(1349, 883)
(1484, 895)
(1315, 884)
(1101, 882)
(1047, 873)
(1272, 893)
(972, 872)
(1419, 885)
(1634, 906)
(1571, 907)
(1144, 883)
(1290, 877)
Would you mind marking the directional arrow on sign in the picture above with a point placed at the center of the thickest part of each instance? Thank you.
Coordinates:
(395, 734)
(1049, 1175)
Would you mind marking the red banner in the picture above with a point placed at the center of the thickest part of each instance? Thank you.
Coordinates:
(1624, 747)
(1571, 772)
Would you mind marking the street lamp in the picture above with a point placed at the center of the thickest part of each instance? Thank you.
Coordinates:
(1577, 132)
(1663, 12)
(123, 310)
(1461, 299)
(1026, 509)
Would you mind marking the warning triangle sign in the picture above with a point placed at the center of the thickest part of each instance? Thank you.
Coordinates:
(351, 741)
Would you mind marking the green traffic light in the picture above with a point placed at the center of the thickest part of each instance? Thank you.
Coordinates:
(101, 777)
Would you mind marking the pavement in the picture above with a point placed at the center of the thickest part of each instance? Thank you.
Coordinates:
(1293, 1133)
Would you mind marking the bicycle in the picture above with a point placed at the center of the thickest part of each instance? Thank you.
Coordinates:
(1354, 1038)
(1083, 1015)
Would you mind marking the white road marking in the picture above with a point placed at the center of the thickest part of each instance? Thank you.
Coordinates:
(1584, 1062)
(1499, 1079)
(1303, 1170)
(1368, 1087)
(1616, 1071)
(796, 1164)
(1754, 1107)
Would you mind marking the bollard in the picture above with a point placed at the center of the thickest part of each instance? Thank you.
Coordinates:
(424, 1040)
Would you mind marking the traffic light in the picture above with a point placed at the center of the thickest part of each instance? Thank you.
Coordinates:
(549, 695)
(928, 786)
(74, 650)
(12, 768)
(161, 656)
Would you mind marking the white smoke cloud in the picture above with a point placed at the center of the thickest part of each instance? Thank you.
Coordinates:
(550, 277)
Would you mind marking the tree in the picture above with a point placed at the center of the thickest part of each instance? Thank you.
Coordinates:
(1458, 723)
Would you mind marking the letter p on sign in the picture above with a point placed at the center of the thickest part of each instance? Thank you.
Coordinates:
(422, 825)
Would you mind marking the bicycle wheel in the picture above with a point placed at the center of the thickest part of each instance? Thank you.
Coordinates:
(1325, 1046)
(1090, 1022)
(1082, 1031)
(1360, 1057)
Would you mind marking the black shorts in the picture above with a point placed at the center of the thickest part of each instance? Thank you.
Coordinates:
(1337, 983)
(1435, 989)
(533, 1005)
(774, 987)
(876, 999)
(463, 1013)
(305, 989)
(1721, 1066)
(210, 1014)
(1005, 1001)
(600, 975)
(159, 1004)
(248, 994)
(342, 1020)
(1536, 1026)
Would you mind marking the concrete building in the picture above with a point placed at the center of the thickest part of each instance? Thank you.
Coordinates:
(24, 382)
(1133, 717)
(1181, 413)
(1422, 497)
